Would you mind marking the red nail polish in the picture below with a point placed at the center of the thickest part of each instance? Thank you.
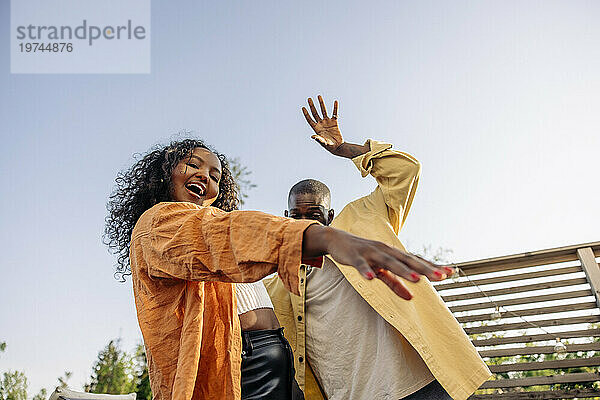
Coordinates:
(438, 274)
(449, 270)
(414, 276)
(370, 275)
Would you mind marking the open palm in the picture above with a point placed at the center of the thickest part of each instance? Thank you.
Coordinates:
(327, 131)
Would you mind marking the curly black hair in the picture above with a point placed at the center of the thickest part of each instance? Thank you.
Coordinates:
(147, 183)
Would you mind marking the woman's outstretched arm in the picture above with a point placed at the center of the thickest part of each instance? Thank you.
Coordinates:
(185, 241)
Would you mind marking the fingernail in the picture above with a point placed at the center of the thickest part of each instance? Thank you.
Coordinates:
(438, 274)
(414, 276)
(370, 275)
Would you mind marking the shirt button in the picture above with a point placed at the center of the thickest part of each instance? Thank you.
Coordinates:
(301, 359)
(299, 317)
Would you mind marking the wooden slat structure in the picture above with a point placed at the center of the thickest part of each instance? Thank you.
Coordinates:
(515, 308)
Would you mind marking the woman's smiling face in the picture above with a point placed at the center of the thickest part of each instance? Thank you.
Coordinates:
(196, 177)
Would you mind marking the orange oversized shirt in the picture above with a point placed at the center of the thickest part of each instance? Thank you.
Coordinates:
(184, 259)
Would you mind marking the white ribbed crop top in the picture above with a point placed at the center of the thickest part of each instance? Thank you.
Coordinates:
(251, 296)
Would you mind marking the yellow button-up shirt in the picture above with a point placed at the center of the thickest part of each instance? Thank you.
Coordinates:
(424, 321)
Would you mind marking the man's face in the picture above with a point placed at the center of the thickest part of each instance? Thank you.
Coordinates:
(196, 177)
(309, 206)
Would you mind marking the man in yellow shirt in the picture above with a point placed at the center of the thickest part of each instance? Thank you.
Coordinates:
(352, 338)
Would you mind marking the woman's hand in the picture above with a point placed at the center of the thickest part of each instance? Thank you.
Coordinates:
(371, 258)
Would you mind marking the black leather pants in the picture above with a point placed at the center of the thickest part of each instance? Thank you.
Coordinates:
(268, 367)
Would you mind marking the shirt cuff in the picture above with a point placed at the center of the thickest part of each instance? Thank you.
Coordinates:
(290, 254)
(364, 162)
(314, 262)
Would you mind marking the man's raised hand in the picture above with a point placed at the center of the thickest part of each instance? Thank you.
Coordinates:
(327, 131)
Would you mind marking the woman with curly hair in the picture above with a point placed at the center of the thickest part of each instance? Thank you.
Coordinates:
(267, 365)
(147, 183)
(173, 225)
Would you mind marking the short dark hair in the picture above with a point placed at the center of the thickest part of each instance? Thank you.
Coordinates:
(311, 186)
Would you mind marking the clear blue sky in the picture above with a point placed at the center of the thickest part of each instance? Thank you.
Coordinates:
(498, 100)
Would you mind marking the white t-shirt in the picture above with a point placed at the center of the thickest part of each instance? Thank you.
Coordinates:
(353, 351)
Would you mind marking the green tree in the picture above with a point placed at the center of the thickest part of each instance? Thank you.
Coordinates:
(240, 174)
(42, 395)
(62, 383)
(13, 386)
(114, 371)
(62, 380)
(142, 388)
(438, 255)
